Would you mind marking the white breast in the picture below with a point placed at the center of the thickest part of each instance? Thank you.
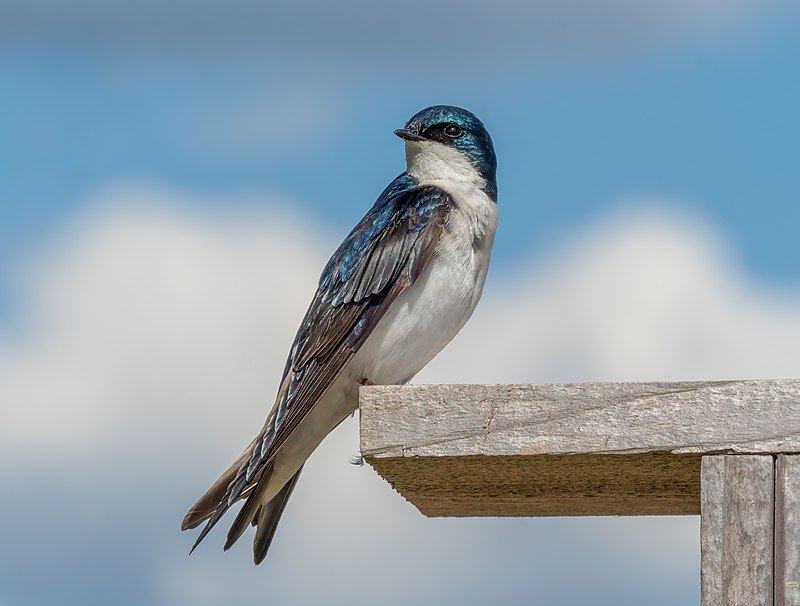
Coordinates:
(430, 313)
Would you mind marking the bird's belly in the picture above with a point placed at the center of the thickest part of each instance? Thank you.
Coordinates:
(417, 326)
(334, 407)
(424, 318)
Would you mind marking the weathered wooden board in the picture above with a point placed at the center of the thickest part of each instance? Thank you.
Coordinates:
(466, 450)
(787, 531)
(736, 530)
(591, 418)
(559, 485)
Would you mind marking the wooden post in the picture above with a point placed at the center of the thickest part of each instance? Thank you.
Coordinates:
(726, 450)
(787, 530)
(736, 530)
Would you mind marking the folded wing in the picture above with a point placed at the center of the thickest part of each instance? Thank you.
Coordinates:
(379, 259)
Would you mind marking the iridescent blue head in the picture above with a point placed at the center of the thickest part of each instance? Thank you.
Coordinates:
(458, 130)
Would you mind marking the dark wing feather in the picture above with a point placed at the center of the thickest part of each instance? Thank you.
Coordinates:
(377, 261)
(339, 320)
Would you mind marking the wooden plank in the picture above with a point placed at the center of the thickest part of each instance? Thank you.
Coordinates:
(560, 485)
(736, 530)
(567, 449)
(590, 418)
(787, 531)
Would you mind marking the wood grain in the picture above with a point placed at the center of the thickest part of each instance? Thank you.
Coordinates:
(787, 531)
(590, 418)
(736, 530)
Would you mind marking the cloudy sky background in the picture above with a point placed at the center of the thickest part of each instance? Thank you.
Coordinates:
(175, 175)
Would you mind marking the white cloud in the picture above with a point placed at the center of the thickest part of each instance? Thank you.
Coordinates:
(147, 310)
(150, 345)
(644, 295)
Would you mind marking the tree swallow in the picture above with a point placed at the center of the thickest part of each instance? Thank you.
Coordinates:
(395, 292)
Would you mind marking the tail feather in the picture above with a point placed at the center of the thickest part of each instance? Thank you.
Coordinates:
(225, 504)
(208, 503)
(268, 517)
(249, 510)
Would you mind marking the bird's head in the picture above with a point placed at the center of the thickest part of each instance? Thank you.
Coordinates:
(449, 143)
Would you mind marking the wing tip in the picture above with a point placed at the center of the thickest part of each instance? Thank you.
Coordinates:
(191, 520)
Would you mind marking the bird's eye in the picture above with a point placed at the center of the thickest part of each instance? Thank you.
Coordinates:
(453, 130)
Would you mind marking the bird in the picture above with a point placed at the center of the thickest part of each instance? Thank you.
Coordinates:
(400, 286)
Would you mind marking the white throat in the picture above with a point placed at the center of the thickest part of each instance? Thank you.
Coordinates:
(431, 161)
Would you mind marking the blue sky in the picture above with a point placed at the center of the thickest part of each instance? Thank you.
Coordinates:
(175, 177)
(708, 123)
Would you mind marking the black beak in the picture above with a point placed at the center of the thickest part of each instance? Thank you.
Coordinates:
(406, 134)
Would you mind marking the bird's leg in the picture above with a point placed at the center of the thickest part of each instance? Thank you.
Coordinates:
(364, 381)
